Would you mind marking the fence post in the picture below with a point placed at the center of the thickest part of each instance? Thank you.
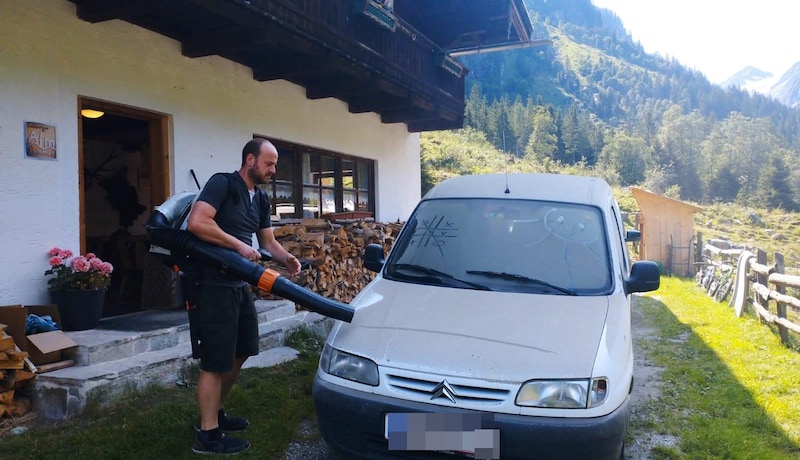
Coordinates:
(780, 267)
(761, 258)
(739, 298)
(698, 254)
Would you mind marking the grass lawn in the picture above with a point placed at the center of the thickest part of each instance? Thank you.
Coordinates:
(158, 423)
(730, 391)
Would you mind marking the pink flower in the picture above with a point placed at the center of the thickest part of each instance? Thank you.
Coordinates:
(80, 264)
(106, 268)
(80, 272)
(94, 262)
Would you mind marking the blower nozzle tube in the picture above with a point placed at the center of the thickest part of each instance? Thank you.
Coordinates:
(230, 262)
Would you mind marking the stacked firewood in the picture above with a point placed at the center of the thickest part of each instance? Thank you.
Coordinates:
(334, 253)
(13, 377)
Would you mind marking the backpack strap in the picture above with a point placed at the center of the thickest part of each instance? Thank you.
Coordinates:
(184, 218)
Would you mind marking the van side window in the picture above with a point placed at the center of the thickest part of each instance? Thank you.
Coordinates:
(620, 231)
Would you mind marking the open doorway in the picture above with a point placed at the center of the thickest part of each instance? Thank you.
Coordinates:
(123, 175)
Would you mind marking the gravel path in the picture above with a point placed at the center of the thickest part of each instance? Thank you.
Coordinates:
(309, 446)
(647, 386)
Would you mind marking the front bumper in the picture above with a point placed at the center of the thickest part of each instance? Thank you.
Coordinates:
(353, 422)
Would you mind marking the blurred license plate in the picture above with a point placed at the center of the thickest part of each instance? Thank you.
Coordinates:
(468, 434)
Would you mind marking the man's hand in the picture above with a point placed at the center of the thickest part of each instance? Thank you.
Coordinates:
(292, 265)
(249, 252)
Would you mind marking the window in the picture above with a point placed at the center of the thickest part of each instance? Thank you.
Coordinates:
(356, 189)
(504, 245)
(312, 182)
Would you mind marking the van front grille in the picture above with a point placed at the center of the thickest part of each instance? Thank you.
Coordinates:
(430, 390)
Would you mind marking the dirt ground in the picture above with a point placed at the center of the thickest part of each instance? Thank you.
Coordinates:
(647, 386)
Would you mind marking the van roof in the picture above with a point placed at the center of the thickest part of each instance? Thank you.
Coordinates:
(547, 187)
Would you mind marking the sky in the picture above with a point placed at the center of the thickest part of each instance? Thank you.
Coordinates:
(715, 37)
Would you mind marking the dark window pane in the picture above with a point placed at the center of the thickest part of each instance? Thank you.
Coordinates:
(327, 171)
(349, 201)
(363, 202)
(283, 201)
(283, 193)
(348, 175)
(328, 201)
(310, 169)
(311, 205)
(285, 166)
(363, 175)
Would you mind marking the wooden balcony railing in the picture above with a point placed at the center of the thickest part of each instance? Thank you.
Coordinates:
(404, 56)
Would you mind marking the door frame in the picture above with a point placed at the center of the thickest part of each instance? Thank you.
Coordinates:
(158, 153)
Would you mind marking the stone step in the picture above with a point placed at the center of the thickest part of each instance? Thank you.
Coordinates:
(143, 358)
(136, 333)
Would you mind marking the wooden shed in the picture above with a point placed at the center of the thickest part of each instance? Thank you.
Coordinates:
(667, 227)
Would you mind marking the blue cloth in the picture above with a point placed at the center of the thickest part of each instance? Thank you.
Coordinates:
(37, 324)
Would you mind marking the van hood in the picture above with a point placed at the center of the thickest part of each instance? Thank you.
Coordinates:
(475, 334)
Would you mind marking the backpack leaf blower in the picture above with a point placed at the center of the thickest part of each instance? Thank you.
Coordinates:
(161, 232)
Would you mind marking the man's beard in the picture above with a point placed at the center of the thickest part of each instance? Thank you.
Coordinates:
(255, 177)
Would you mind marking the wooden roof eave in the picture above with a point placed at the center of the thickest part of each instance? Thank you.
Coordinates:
(278, 40)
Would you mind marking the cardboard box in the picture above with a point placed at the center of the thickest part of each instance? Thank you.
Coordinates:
(43, 348)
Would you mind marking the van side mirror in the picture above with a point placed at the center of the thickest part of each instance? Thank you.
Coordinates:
(373, 257)
(645, 276)
(632, 236)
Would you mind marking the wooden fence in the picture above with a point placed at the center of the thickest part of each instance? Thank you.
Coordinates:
(759, 285)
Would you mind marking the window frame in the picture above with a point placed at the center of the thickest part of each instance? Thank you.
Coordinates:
(298, 185)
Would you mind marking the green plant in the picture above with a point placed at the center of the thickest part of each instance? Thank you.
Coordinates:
(81, 272)
(306, 341)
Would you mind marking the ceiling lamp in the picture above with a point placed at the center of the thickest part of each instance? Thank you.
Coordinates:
(91, 113)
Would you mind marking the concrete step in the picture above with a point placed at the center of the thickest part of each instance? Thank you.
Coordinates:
(115, 361)
(129, 335)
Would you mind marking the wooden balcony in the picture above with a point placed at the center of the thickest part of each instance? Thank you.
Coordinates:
(326, 46)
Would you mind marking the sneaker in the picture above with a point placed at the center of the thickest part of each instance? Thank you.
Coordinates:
(222, 445)
(227, 423)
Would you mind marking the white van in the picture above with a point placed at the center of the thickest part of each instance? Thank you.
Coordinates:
(497, 327)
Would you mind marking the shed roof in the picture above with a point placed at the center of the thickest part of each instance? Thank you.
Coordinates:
(641, 195)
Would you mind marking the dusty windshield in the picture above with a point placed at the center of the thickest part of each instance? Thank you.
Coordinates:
(504, 245)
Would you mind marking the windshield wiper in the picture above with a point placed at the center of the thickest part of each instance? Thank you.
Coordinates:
(517, 277)
(436, 274)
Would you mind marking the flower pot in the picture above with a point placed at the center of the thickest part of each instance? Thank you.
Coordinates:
(79, 310)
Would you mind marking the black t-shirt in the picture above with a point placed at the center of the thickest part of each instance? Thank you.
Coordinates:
(237, 214)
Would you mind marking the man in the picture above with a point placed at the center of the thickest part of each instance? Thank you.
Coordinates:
(222, 315)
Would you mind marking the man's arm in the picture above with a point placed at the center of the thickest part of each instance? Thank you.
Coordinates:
(266, 239)
(202, 224)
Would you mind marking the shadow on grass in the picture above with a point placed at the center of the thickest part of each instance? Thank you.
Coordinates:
(701, 402)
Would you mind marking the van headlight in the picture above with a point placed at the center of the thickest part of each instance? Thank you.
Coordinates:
(563, 394)
(348, 366)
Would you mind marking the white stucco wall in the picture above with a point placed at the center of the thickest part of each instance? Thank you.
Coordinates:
(49, 57)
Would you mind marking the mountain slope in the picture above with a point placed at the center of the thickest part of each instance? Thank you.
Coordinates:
(787, 89)
(594, 64)
(751, 79)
